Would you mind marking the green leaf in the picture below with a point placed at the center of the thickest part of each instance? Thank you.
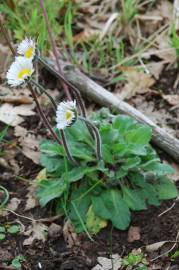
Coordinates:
(82, 151)
(106, 154)
(166, 189)
(2, 236)
(133, 199)
(108, 134)
(78, 132)
(140, 135)
(110, 205)
(52, 164)
(150, 194)
(135, 149)
(121, 173)
(123, 123)
(49, 190)
(119, 149)
(14, 229)
(17, 261)
(131, 163)
(78, 173)
(82, 204)
(94, 223)
(159, 169)
(51, 148)
(2, 229)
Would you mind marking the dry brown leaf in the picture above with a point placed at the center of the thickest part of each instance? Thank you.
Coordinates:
(11, 115)
(133, 234)
(31, 201)
(10, 156)
(171, 99)
(29, 143)
(155, 246)
(36, 231)
(137, 83)
(20, 131)
(15, 96)
(175, 175)
(155, 68)
(86, 35)
(13, 204)
(104, 263)
(71, 238)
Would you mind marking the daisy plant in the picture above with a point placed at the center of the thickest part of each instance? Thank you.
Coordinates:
(91, 184)
(21, 71)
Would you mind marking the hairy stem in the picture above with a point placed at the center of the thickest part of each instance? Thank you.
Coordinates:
(43, 90)
(45, 120)
(65, 145)
(61, 77)
(41, 113)
(54, 48)
(75, 90)
(97, 136)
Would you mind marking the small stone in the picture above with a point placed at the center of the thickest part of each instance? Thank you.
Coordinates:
(55, 230)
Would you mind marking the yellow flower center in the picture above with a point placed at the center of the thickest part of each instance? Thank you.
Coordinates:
(68, 115)
(24, 73)
(29, 52)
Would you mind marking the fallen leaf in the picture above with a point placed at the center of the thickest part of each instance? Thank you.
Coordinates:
(15, 96)
(174, 176)
(137, 83)
(104, 263)
(11, 115)
(171, 99)
(133, 234)
(36, 231)
(86, 35)
(155, 246)
(13, 204)
(31, 201)
(29, 143)
(71, 238)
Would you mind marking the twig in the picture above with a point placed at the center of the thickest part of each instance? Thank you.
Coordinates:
(166, 253)
(54, 48)
(168, 209)
(4, 267)
(49, 219)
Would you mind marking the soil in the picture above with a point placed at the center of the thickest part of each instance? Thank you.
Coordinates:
(54, 254)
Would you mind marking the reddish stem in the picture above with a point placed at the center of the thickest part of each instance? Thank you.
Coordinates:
(54, 48)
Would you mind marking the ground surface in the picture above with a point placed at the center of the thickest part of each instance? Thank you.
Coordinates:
(149, 71)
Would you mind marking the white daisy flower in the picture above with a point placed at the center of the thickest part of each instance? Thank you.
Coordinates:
(27, 48)
(66, 114)
(19, 71)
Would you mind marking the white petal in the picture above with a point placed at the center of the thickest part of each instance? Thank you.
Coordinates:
(13, 72)
(25, 45)
(62, 109)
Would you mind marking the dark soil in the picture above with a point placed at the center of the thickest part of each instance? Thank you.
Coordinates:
(54, 253)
